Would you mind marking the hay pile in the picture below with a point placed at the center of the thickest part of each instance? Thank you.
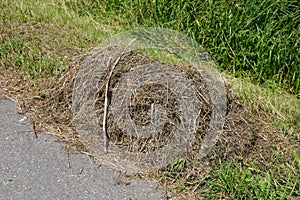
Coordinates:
(150, 131)
(49, 104)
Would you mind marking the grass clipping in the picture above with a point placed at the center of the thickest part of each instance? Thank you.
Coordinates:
(49, 104)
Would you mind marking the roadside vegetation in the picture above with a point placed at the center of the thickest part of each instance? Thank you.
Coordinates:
(255, 44)
(256, 39)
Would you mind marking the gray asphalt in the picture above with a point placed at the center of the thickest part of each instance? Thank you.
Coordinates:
(39, 169)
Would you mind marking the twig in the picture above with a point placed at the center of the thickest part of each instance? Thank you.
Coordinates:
(33, 128)
(110, 70)
(119, 180)
(106, 140)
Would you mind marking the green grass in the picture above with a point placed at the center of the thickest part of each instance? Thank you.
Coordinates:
(247, 182)
(42, 36)
(29, 57)
(257, 40)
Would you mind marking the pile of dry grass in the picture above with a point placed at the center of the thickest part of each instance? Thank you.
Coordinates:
(48, 103)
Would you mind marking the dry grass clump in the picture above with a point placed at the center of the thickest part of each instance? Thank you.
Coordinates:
(245, 138)
(141, 102)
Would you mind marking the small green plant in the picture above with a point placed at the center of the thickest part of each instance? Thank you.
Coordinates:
(177, 165)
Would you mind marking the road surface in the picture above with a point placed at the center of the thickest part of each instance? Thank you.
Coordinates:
(39, 169)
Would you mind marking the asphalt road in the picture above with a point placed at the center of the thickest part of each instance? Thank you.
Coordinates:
(39, 169)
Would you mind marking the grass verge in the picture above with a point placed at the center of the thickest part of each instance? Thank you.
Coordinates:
(257, 39)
